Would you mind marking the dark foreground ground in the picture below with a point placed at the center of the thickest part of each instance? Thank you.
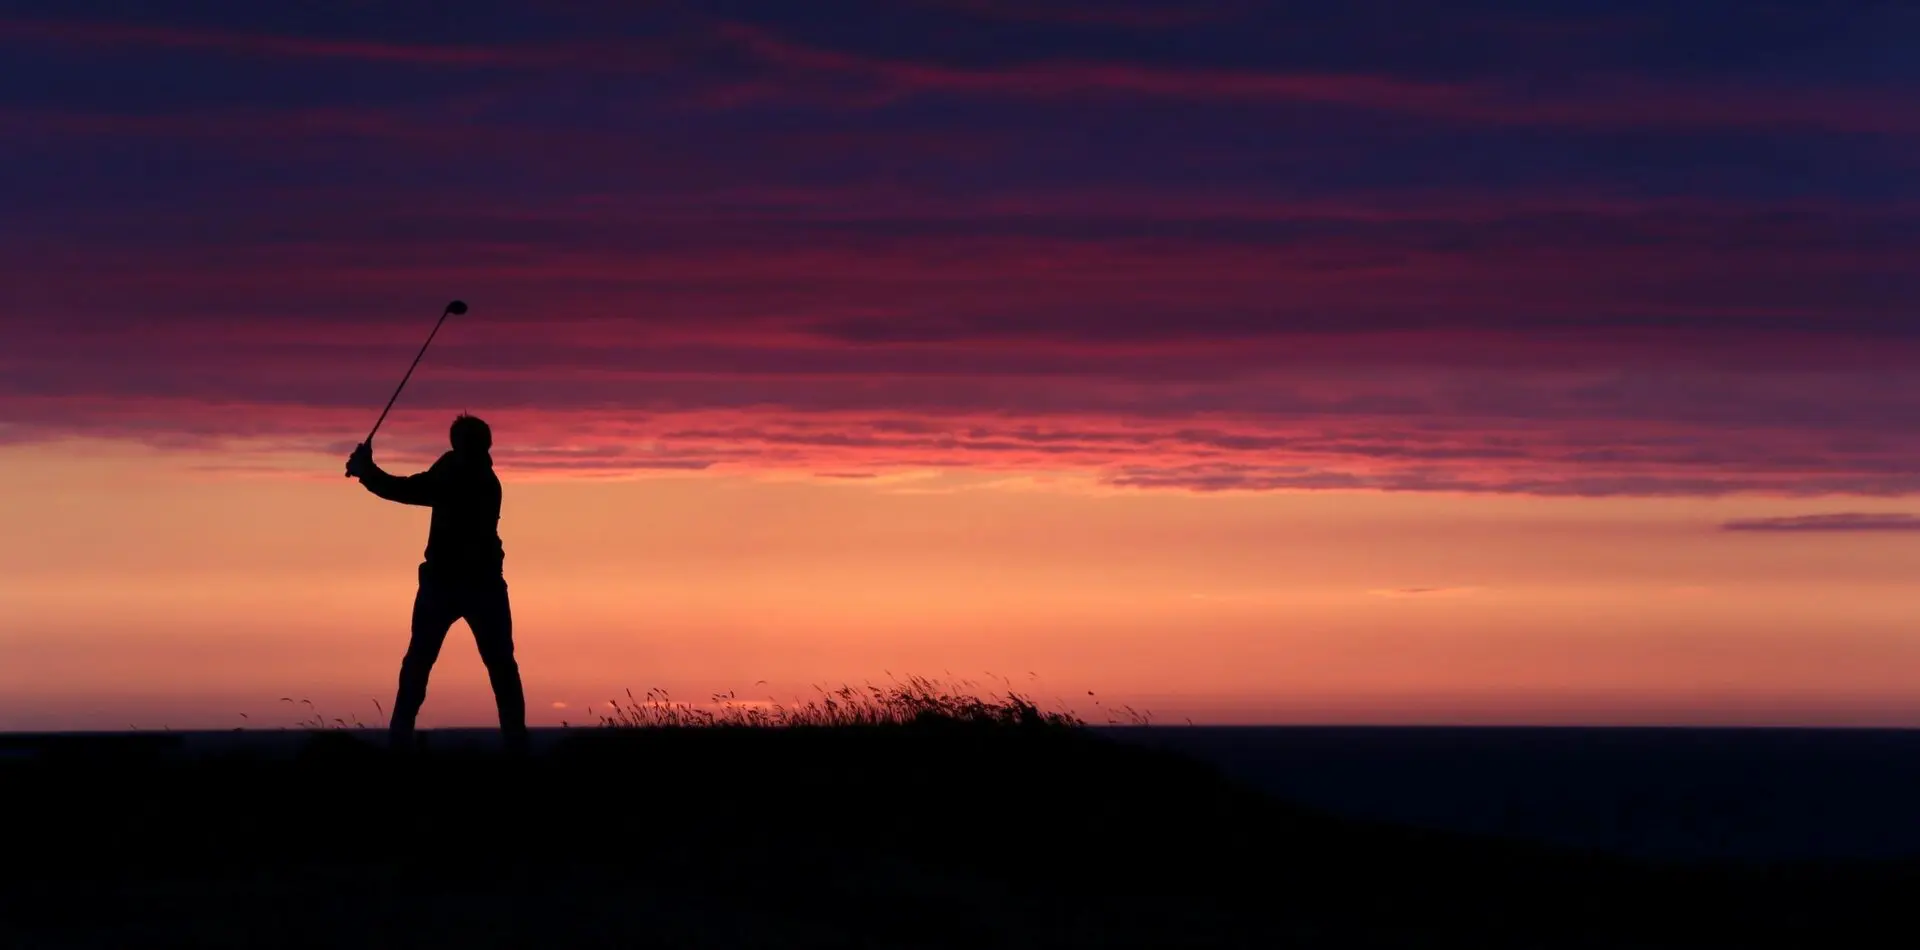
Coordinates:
(940, 836)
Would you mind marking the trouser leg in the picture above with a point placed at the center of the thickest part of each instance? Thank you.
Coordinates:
(491, 617)
(433, 614)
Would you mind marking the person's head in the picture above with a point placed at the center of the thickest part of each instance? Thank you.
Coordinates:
(470, 435)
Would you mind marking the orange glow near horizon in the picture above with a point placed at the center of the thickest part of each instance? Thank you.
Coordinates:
(147, 588)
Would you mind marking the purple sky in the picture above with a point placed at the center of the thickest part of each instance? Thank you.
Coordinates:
(1560, 248)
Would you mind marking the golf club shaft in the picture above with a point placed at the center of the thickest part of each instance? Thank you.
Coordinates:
(409, 375)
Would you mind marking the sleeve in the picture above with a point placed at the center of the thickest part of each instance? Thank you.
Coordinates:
(420, 489)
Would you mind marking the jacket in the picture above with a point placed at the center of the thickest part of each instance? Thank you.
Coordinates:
(463, 541)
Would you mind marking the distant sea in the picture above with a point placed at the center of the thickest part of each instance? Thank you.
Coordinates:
(1672, 794)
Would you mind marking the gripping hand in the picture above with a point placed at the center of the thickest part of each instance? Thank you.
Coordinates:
(361, 461)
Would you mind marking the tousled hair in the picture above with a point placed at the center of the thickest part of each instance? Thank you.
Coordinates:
(470, 434)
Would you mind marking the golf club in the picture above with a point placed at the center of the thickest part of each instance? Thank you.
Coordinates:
(453, 307)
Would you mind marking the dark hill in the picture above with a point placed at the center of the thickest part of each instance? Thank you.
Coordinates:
(931, 835)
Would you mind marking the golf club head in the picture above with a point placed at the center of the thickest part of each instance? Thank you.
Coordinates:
(457, 307)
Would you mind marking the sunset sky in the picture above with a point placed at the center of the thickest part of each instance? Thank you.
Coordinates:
(1520, 362)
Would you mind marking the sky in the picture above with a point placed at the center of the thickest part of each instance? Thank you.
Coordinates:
(1478, 362)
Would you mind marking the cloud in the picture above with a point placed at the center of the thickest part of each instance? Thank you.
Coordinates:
(1326, 284)
(1064, 248)
(1425, 347)
(1841, 521)
(796, 429)
(1423, 592)
(110, 34)
(779, 68)
(1105, 13)
(1631, 103)
(1039, 80)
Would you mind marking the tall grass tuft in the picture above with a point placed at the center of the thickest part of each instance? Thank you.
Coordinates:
(916, 700)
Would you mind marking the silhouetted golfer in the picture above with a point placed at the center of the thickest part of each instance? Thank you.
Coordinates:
(462, 576)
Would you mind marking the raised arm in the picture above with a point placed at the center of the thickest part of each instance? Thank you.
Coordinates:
(420, 489)
(405, 489)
